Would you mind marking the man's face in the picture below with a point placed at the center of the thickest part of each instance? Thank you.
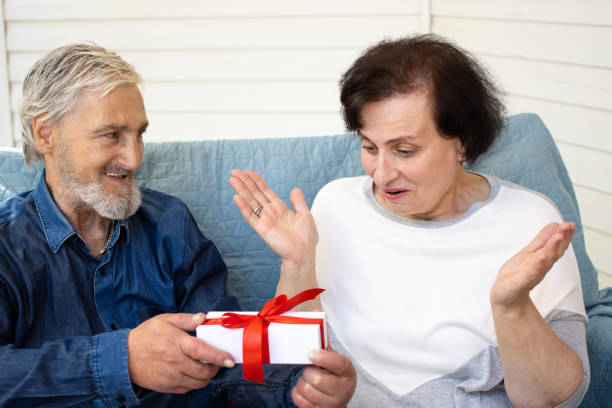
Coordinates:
(98, 147)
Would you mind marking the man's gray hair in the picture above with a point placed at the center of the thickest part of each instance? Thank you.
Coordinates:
(52, 86)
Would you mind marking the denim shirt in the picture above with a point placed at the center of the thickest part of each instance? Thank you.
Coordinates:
(65, 315)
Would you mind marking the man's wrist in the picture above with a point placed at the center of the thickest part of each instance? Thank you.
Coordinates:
(110, 368)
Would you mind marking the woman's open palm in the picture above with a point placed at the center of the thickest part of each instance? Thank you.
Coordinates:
(526, 269)
(291, 234)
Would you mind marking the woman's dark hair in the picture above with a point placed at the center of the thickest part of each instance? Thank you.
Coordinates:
(465, 103)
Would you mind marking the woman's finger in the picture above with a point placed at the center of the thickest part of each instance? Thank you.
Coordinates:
(558, 243)
(248, 213)
(262, 186)
(244, 192)
(297, 200)
(251, 186)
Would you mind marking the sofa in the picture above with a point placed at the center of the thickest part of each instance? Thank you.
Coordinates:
(198, 173)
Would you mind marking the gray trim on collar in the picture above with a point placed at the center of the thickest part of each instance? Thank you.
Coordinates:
(368, 191)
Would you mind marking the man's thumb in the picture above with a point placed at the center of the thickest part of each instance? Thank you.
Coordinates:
(185, 321)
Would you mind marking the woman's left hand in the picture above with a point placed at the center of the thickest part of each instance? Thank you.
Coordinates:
(291, 234)
(526, 269)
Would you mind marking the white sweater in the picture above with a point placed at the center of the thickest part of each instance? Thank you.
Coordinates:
(410, 299)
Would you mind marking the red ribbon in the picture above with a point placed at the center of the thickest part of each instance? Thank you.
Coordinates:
(255, 348)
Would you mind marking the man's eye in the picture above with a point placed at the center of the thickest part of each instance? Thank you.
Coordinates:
(112, 135)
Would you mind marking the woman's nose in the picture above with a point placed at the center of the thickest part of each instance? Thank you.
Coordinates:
(385, 170)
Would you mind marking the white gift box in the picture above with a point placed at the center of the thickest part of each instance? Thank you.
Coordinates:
(288, 343)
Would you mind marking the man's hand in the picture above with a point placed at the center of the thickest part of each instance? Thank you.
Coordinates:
(330, 382)
(163, 357)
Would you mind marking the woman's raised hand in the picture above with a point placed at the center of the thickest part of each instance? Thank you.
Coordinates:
(291, 234)
(526, 269)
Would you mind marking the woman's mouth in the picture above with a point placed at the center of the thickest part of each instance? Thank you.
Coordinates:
(392, 195)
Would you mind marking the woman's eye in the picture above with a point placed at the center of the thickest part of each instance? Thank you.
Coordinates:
(404, 152)
(369, 149)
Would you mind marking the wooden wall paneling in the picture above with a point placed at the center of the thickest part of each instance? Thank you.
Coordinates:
(222, 65)
(564, 43)
(240, 125)
(6, 126)
(598, 246)
(605, 280)
(588, 168)
(572, 124)
(16, 130)
(591, 12)
(588, 87)
(121, 9)
(595, 208)
(217, 33)
(235, 96)
(183, 126)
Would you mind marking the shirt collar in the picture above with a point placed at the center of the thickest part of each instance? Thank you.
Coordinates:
(55, 224)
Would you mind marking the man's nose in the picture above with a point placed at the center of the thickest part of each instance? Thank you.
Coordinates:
(131, 153)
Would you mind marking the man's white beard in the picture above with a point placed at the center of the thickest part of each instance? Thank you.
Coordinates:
(92, 195)
(107, 205)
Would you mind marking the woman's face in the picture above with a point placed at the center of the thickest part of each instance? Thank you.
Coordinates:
(415, 170)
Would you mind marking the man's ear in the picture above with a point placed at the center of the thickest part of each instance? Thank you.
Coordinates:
(44, 132)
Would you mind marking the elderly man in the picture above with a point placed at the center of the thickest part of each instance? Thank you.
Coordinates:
(100, 281)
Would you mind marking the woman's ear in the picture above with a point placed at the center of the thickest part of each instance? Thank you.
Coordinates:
(460, 151)
(43, 132)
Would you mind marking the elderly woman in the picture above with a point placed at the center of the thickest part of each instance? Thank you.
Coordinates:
(446, 287)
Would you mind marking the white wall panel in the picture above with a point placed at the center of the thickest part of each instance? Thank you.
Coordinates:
(598, 247)
(6, 126)
(605, 280)
(588, 87)
(113, 9)
(595, 209)
(587, 167)
(222, 65)
(235, 96)
(595, 12)
(216, 33)
(572, 124)
(183, 126)
(573, 44)
(195, 126)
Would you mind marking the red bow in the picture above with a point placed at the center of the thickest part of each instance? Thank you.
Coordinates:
(255, 349)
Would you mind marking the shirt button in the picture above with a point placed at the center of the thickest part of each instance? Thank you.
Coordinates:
(121, 399)
(103, 272)
(114, 326)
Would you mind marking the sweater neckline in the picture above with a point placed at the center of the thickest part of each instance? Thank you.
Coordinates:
(368, 191)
